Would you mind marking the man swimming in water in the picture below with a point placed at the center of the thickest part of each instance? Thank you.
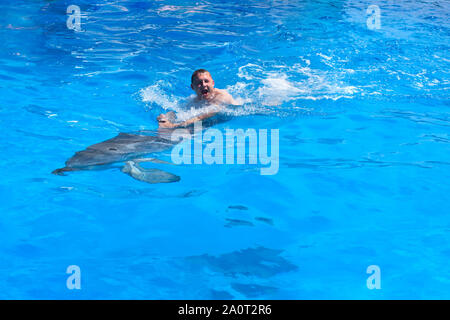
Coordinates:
(206, 95)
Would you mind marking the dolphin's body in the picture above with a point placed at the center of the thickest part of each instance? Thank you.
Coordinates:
(122, 148)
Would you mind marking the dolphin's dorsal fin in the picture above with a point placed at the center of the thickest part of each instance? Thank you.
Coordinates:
(123, 135)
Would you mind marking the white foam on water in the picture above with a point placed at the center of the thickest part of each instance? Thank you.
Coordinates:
(156, 94)
(273, 88)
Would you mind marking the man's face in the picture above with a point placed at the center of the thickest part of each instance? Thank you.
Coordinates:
(203, 86)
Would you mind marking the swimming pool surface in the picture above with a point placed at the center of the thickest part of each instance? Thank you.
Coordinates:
(364, 122)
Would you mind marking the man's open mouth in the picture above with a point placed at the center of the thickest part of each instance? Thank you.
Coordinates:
(205, 92)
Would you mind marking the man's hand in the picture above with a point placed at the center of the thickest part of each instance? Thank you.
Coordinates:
(164, 120)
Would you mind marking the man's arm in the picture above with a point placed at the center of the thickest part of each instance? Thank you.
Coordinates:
(165, 123)
(224, 99)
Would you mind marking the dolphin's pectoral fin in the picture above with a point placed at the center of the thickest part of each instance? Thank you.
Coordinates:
(160, 176)
(148, 175)
(61, 171)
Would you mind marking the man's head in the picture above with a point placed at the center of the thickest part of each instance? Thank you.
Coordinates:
(203, 84)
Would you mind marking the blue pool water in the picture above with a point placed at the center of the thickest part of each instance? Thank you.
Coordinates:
(364, 170)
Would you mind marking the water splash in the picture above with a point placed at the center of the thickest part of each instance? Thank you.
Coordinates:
(271, 92)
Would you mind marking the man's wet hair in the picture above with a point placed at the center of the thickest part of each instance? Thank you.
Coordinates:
(196, 72)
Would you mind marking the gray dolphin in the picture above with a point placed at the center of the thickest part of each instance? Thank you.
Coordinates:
(124, 148)
(128, 148)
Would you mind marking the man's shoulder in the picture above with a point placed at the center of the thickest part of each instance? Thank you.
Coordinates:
(222, 92)
(224, 96)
